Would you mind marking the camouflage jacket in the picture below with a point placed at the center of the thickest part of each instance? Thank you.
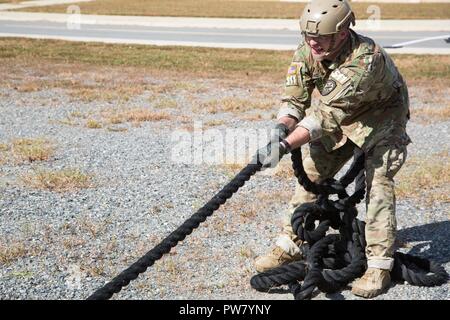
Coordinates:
(362, 96)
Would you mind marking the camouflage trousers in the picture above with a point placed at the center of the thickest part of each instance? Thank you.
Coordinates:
(382, 163)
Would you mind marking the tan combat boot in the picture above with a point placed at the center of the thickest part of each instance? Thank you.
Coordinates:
(373, 283)
(284, 252)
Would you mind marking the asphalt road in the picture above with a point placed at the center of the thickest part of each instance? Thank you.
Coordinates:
(214, 37)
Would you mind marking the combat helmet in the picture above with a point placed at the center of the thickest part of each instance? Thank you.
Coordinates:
(326, 17)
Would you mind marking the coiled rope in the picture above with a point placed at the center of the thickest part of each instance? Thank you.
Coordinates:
(343, 259)
(334, 260)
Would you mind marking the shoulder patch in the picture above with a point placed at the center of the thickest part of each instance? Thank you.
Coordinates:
(293, 73)
(294, 68)
(339, 76)
(328, 87)
(291, 80)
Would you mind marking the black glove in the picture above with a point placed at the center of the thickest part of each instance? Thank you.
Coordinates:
(271, 154)
(280, 132)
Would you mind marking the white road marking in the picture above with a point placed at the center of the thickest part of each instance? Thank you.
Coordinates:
(402, 44)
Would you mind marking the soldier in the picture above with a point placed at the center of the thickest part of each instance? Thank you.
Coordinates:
(364, 104)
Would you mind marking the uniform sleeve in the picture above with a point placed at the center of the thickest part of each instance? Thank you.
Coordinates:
(346, 95)
(298, 88)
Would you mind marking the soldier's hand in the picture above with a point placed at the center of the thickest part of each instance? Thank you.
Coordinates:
(280, 132)
(271, 154)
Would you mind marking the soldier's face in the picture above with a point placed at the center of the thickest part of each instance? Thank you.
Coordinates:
(319, 46)
(323, 47)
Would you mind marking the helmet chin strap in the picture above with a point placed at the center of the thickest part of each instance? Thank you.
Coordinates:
(332, 46)
(332, 49)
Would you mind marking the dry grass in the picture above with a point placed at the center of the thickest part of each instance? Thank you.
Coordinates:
(59, 181)
(30, 86)
(93, 124)
(30, 150)
(245, 209)
(425, 179)
(251, 117)
(10, 252)
(214, 123)
(104, 88)
(116, 116)
(175, 87)
(244, 9)
(284, 170)
(428, 114)
(247, 252)
(233, 105)
(95, 228)
(180, 61)
(74, 60)
(93, 270)
(423, 67)
(169, 267)
(165, 103)
(231, 169)
(71, 242)
(4, 148)
(121, 92)
(110, 117)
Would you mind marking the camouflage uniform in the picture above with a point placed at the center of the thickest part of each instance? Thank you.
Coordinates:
(364, 103)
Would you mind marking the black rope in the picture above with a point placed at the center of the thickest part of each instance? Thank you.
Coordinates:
(334, 260)
(141, 265)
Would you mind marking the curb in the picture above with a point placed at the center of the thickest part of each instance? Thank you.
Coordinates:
(260, 24)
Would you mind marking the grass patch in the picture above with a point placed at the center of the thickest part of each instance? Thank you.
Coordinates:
(30, 150)
(3, 152)
(426, 179)
(165, 103)
(120, 92)
(23, 274)
(284, 170)
(93, 124)
(428, 114)
(233, 105)
(10, 252)
(214, 123)
(59, 181)
(244, 9)
(206, 62)
(245, 210)
(93, 270)
(242, 64)
(70, 242)
(252, 117)
(114, 116)
(422, 67)
(134, 115)
(4, 147)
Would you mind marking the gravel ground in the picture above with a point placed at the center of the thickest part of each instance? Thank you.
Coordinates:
(76, 241)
